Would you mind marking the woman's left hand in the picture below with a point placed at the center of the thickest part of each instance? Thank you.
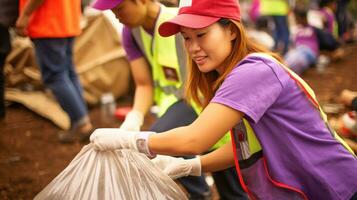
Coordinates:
(178, 167)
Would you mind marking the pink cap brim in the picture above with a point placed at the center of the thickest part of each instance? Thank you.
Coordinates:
(172, 26)
(105, 4)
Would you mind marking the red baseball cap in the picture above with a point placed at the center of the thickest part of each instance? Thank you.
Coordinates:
(200, 14)
(105, 4)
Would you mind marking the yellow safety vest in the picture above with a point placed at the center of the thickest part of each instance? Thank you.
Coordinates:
(167, 58)
(274, 7)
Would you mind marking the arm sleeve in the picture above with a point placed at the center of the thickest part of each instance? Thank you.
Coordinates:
(251, 88)
(130, 46)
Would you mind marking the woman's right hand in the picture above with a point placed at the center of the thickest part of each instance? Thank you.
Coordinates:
(109, 139)
(133, 121)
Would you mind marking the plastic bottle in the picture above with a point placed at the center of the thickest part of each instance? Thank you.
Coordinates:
(108, 106)
(322, 63)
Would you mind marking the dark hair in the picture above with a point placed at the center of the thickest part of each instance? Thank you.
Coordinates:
(323, 3)
(224, 21)
(300, 12)
(262, 23)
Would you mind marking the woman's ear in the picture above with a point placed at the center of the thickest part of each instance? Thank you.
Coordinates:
(232, 32)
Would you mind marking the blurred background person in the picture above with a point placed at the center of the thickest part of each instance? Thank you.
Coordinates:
(342, 20)
(8, 16)
(305, 44)
(328, 9)
(52, 27)
(277, 11)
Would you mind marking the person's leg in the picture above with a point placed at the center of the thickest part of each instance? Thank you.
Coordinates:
(181, 114)
(4, 50)
(71, 69)
(228, 185)
(84, 124)
(341, 17)
(293, 59)
(273, 31)
(300, 59)
(281, 33)
(52, 58)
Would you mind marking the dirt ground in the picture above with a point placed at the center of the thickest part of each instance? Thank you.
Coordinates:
(31, 156)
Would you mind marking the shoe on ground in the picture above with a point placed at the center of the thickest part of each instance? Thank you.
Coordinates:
(73, 135)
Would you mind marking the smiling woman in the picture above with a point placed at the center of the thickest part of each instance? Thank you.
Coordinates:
(226, 46)
(208, 47)
(158, 66)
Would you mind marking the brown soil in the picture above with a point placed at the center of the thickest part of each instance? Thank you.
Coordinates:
(31, 156)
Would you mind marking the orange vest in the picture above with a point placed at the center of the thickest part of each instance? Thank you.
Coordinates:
(54, 19)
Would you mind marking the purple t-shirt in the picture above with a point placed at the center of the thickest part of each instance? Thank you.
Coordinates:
(299, 149)
(130, 46)
(330, 19)
(306, 36)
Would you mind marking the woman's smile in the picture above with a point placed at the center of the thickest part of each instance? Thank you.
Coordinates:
(200, 60)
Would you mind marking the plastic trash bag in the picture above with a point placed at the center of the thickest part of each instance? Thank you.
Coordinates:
(102, 175)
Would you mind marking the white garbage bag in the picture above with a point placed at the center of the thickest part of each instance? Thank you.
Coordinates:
(102, 175)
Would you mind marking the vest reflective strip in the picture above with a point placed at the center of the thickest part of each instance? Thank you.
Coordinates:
(170, 89)
(182, 60)
(254, 145)
(239, 173)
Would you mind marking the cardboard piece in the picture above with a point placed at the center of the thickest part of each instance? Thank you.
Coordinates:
(40, 103)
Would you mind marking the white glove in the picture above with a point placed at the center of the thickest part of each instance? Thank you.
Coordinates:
(109, 139)
(133, 121)
(178, 167)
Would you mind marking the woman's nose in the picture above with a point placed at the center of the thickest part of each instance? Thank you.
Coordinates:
(194, 46)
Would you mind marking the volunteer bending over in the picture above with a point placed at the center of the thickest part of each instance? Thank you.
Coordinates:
(158, 66)
(282, 145)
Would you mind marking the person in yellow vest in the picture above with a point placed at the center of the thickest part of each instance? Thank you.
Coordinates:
(282, 145)
(52, 27)
(277, 11)
(158, 67)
